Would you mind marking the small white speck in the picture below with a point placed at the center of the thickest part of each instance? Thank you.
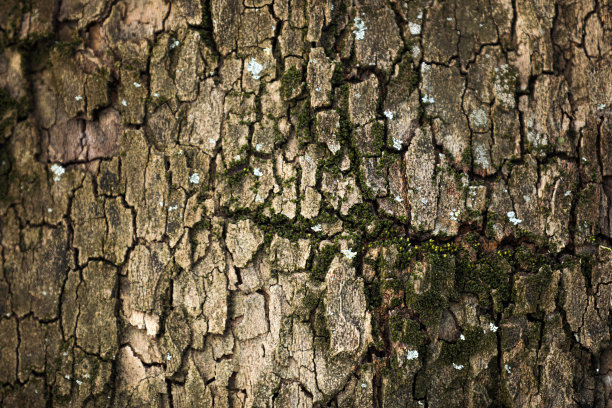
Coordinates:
(49, 210)
(67, 377)
(415, 29)
(364, 385)
(258, 147)
(86, 376)
(420, 16)
(424, 200)
(78, 98)
(137, 85)
(427, 99)
(449, 19)
(458, 366)
(397, 144)
(601, 106)
(155, 95)
(57, 171)
(507, 367)
(389, 114)
(493, 327)
(195, 178)
(348, 253)
(212, 141)
(318, 89)
(512, 218)
(316, 228)
(462, 337)
(568, 193)
(124, 102)
(237, 157)
(412, 355)
(267, 51)
(584, 159)
(360, 28)
(421, 403)
(257, 172)
(259, 198)
(161, 204)
(44, 292)
(168, 357)
(172, 208)
(79, 382)
(254, 68)
(398, 199)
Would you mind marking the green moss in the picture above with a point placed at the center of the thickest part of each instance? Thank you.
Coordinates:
(406, 331)
(291, 80)
(461, 351)
(322, 261)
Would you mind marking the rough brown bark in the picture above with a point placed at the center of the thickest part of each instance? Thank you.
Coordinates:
(296, 203)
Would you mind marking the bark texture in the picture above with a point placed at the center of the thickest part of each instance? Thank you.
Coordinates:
(296, 203)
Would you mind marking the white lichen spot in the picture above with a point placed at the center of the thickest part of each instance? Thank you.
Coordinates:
(584, 159)
(258, 147)
(397, 144)
(259, 198)
(416, 52)
(124, 102)
(449, 19)
(57, 171)
(212, 141)
(479, 118)
(172, 208)
(420, 16)
(195, 178)
(601, 106)
(333, 147)
(155, 95)
(568, 193)
(421, 403)
(237, 157)
(318, 89)
(415, 29)
(360, 28)
(389, 114)
(512, 218)
(427, 99)
(462, 337)
(137, 85)
(424, 201)
(168, 356)
(316, 228)
(67, 377)
(412, 355)
(44, 293)
(493, 327)
(507, 367)
(398, 199)
(78, 98)
(454, 214)
(254, 68)
(348, 253)
(49, 210)
(161, 204)
(481, 157)
(79, 382)
(458, 366)
(257, 172)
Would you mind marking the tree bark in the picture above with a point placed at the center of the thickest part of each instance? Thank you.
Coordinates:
(296, 203)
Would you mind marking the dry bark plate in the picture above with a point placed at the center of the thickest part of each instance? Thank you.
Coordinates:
(305, 203)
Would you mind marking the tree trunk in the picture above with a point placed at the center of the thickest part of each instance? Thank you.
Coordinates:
(292, 203)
